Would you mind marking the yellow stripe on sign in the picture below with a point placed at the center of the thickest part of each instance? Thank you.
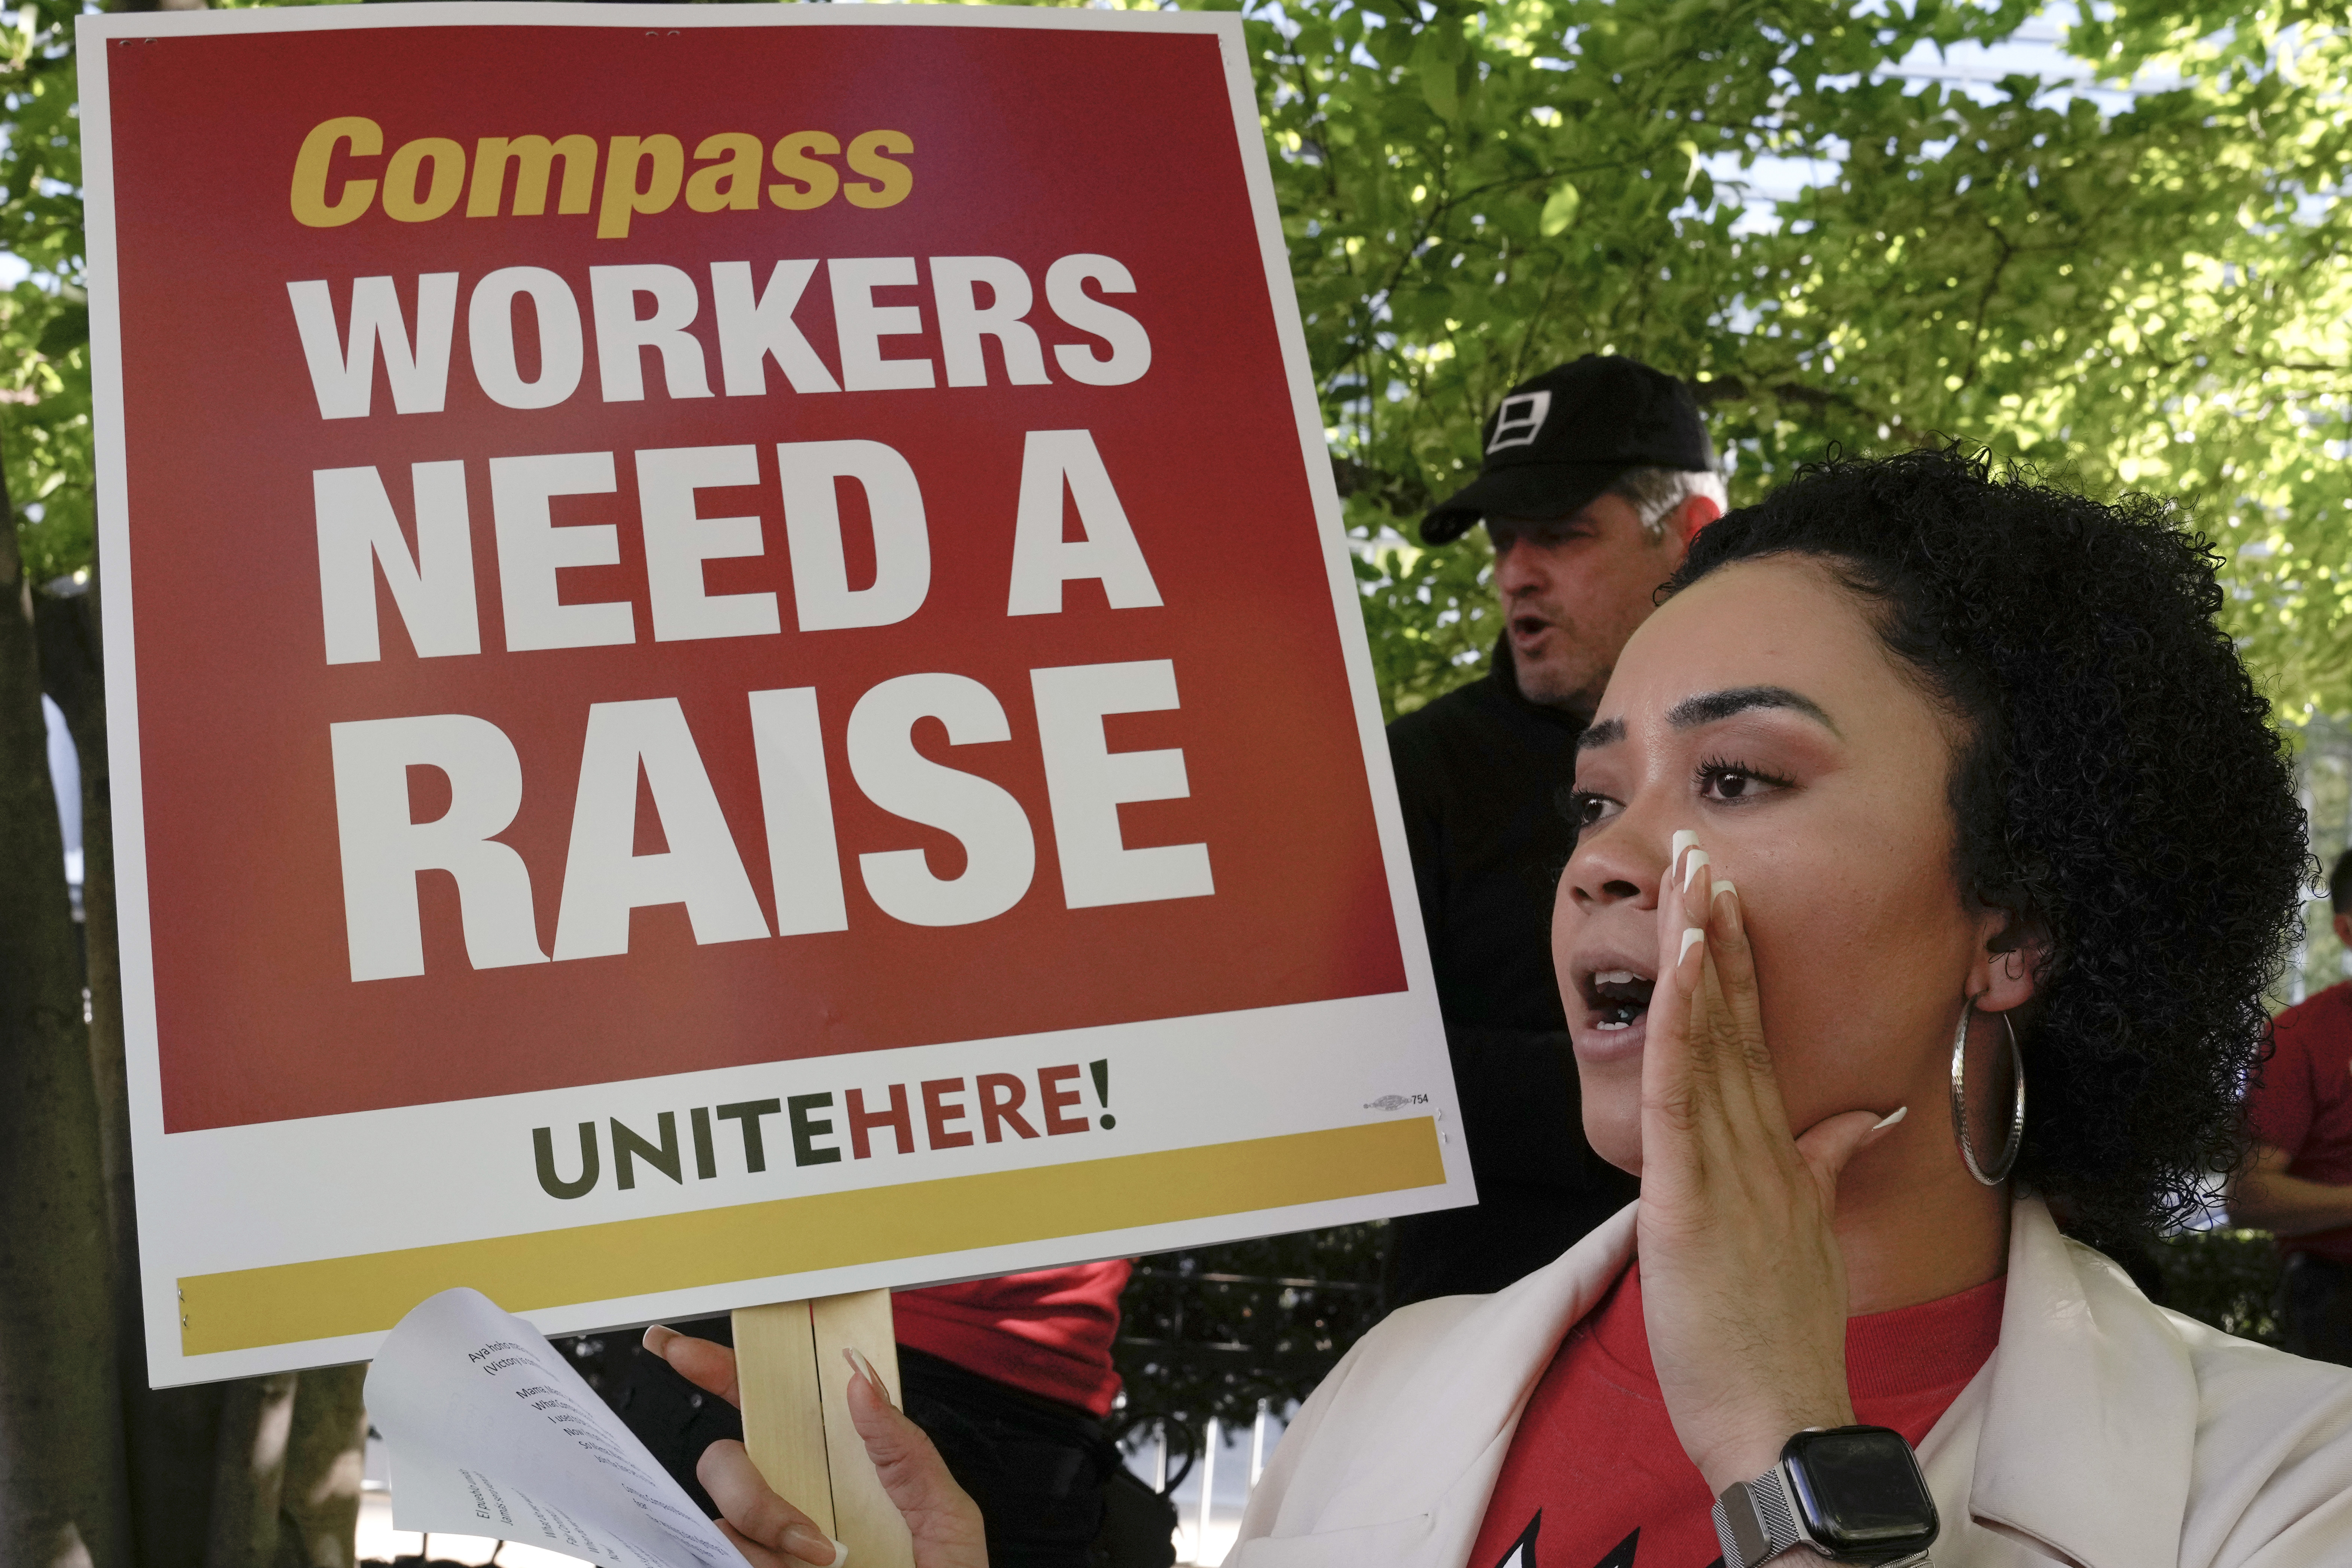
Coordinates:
(289, 1302)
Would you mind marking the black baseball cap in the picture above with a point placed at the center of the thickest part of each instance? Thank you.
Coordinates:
(1565, 436)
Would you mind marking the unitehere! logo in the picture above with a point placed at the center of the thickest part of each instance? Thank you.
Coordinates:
(423, 180)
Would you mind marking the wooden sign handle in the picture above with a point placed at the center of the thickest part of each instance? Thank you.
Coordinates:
(793, 1382)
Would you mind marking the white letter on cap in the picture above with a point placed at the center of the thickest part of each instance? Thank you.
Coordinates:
(358, 530)
(622, 338)
(489, 328)
(604, 880)
(384, 850)
(1041, 559)
(821, 597)
(1000, 852)
(1087, 782)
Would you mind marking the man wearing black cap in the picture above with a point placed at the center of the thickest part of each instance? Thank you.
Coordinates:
(1595, 477)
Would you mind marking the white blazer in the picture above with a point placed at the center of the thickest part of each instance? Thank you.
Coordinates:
(2104, 1432)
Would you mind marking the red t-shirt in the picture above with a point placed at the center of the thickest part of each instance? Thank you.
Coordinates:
(1596, 1477)
(2301, 1101)
(1046, 1332)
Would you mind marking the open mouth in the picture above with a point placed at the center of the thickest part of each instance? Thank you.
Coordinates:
(1528, 626)
(1617, 997)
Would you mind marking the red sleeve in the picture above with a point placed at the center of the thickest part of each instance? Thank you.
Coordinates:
(1047, 1333)
(2279, 1101)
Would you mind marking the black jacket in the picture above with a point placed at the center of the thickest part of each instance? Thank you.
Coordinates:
(1483, 776)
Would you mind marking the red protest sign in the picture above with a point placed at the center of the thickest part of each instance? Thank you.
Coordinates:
(679, 551)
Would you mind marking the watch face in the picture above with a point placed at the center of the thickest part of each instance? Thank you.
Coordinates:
(1860, 1489)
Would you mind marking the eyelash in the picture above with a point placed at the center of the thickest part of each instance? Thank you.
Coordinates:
(1711, 771)
(1717, 768)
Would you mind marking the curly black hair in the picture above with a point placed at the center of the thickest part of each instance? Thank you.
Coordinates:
(2121, 791)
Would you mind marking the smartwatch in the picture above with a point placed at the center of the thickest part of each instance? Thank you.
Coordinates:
(1853, 1494)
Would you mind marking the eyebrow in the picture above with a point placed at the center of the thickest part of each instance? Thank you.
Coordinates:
(1712, 707)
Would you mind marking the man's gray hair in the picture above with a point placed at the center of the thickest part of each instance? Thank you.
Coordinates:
(1657, 493)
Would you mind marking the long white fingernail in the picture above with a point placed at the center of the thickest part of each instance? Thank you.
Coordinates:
(1890, 1119)
(1692, 937)
(864, 1369)
(1684, 839)
(1723, 885)
(840, 1548)
(1691, 868)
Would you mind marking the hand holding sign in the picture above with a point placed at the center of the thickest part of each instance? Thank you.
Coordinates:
(944, 1523)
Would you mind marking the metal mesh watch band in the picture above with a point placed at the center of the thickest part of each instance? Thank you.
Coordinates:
(1755, 1521)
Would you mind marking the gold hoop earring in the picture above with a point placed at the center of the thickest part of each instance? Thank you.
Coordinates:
(2016, 1138)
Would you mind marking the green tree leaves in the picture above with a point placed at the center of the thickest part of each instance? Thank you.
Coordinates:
(2146, 295)
(1559, 209)
(1446, 246)
(44, 432)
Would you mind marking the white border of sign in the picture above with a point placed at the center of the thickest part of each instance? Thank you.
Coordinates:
(1283, 1055)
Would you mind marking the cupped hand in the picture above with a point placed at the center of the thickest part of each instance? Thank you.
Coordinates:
(941, 1518)
(1743, 1286)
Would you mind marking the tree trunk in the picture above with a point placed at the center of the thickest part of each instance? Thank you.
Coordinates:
(286, 1493)
(61, 1479)
(326, 1454)
(257, 1418)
